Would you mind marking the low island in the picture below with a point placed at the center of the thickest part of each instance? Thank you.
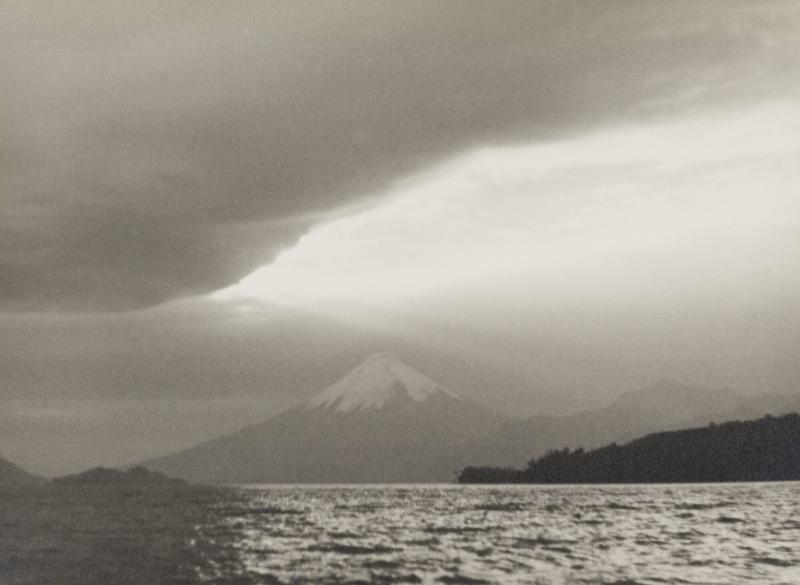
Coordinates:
(134, 477)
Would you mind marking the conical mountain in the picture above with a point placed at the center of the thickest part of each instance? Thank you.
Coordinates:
(383, 422)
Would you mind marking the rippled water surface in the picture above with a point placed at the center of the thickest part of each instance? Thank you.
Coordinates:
(404, 534)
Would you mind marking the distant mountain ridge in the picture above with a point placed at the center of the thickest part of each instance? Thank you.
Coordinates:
(664, 406)
(767, 449)
(13, 476)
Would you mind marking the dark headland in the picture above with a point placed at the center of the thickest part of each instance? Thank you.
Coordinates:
(13, 476)
(767, 449)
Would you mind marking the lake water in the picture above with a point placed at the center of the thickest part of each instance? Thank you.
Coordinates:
(403, 534)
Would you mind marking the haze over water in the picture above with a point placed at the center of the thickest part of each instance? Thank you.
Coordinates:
(701, 534)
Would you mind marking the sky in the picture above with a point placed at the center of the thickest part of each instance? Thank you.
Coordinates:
(210, 212)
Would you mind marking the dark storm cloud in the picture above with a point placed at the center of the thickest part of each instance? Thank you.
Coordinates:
(159, 150)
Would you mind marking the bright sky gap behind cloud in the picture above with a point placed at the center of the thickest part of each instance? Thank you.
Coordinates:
(667, 188)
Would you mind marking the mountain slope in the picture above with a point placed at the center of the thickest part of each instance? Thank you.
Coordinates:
(767, 449)
(663, 406)
(383, 422)
(13, 476)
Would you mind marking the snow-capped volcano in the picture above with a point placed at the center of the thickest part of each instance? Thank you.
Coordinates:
(383, 422)
(379, 380)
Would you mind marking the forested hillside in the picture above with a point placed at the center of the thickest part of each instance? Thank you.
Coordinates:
(767, 449)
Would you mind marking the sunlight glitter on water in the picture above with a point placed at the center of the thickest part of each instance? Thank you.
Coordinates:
(544, 535)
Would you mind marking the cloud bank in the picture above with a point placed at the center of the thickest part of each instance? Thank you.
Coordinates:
(164, 150)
